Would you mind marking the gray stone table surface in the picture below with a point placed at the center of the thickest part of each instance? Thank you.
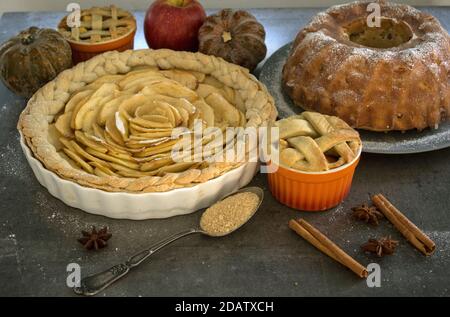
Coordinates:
(265, 258)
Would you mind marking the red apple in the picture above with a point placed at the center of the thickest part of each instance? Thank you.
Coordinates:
(174, 24)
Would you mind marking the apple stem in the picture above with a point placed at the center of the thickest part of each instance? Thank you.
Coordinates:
(226, 36)
(176, 3)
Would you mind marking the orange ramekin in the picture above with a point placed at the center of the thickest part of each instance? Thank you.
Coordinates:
(84, 51)
(312, 191)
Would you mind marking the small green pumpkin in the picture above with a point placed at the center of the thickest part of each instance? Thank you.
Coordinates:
(32, 58)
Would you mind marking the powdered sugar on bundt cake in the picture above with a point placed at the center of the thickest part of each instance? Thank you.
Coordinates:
(392, 77)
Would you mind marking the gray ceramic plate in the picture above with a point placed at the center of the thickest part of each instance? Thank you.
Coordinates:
(374, 142)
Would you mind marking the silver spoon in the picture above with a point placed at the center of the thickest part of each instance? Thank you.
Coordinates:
(94, 284)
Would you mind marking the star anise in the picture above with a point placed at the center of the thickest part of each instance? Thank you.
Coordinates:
(381, 247)
(368, 214)
(95, 239)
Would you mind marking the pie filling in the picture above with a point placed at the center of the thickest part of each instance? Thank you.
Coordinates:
(127, 125)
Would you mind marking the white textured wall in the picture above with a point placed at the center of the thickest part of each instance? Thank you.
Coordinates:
(59, 5)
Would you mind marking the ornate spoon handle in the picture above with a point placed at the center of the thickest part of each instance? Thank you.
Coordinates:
(94, 284)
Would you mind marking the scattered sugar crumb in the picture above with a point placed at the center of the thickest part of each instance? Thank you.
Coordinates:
(13, 162)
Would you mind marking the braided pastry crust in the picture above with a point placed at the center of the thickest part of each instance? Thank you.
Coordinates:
(45, 107)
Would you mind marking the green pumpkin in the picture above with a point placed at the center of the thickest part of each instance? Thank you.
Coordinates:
(33, 58)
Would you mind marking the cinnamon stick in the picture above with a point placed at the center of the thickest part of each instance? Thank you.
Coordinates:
(409, 230)
(321, 242)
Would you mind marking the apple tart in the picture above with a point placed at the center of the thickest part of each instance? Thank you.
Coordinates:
(99, 25)
(313, 142)
(112, 122)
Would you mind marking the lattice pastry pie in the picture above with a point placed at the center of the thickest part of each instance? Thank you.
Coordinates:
(314, 142)
(108, 123)
(99, 25)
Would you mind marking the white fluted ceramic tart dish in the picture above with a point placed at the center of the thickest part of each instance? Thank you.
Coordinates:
(105, 131)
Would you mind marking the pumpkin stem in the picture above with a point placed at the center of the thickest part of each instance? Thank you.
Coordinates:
(226, 36)
(27, 39)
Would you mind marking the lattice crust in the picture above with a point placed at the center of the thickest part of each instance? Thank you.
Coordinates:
(100, 25)
(314, 142)
(63, 133)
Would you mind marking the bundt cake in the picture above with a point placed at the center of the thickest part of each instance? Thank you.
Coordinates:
(391, 77)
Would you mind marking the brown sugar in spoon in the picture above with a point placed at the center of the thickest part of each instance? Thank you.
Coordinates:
(221, 219)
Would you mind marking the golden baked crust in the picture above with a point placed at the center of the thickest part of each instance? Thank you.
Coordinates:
(374, 88)
(44, 108)
(99, 25)
(313, 142)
